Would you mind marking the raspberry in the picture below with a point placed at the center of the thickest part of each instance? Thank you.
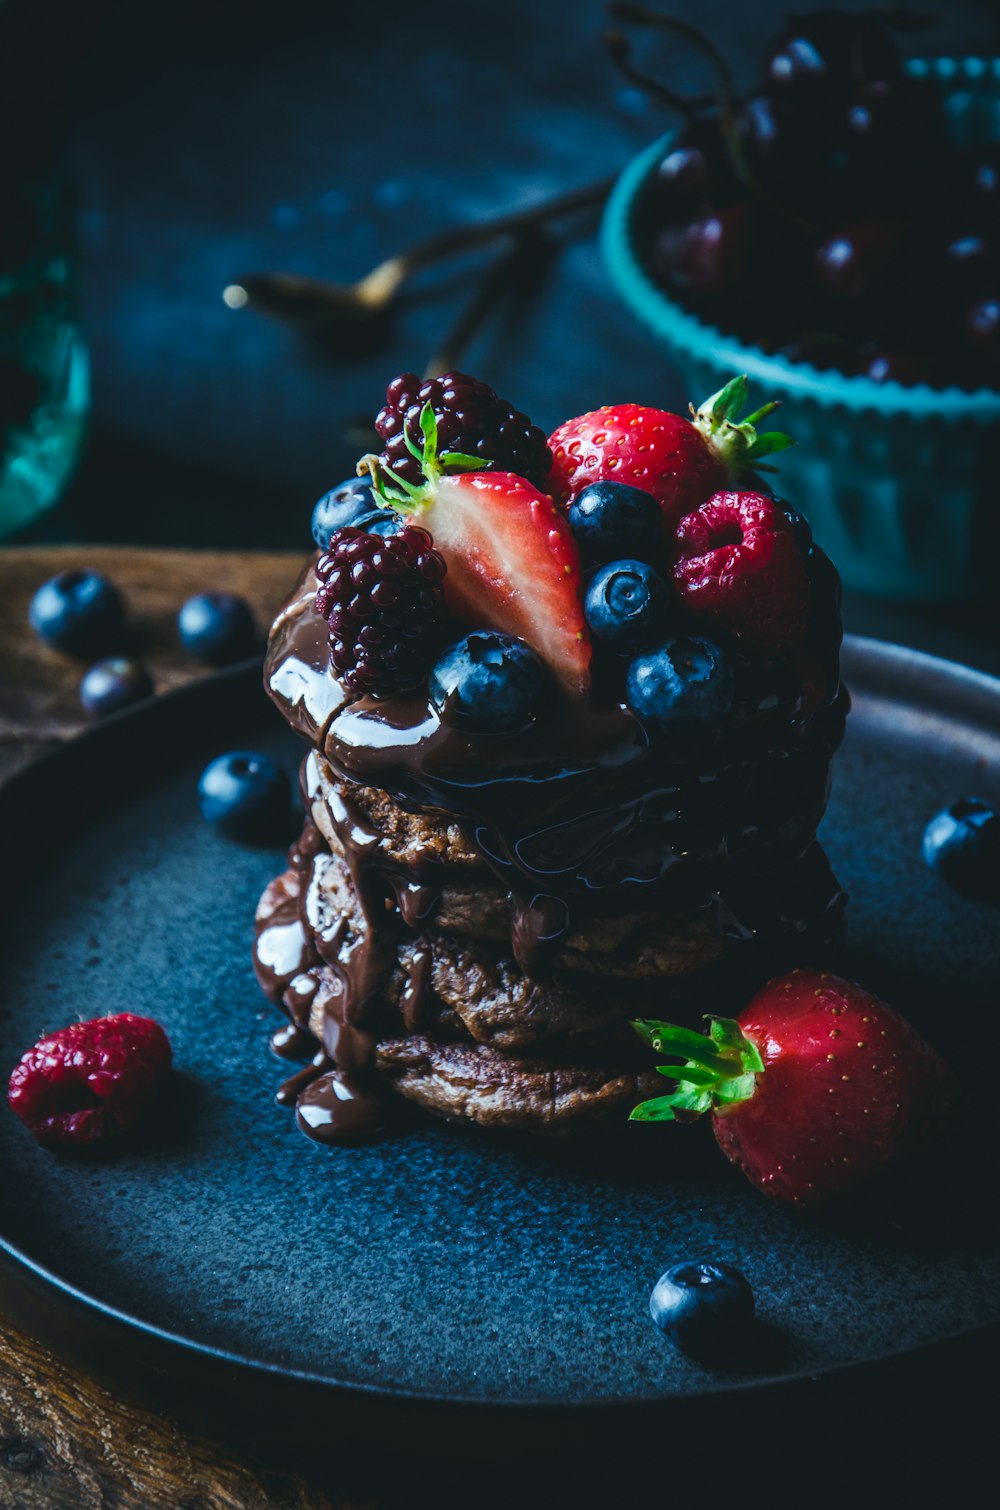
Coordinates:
(382, 600)
(470, 418)
(738, 568)
(91, 1082)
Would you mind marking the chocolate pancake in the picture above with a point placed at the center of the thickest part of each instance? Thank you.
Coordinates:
(469, 920)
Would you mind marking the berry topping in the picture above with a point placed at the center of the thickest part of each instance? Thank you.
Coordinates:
(246, 797)
(217, 627)
(817, 1086)
(489, 683)
(513, 564)
(92, 1082)
(705, 1308)
(470, 418)
(114, 684)
(610, 520)
(79, 612)
(739, 571)
(626, 605)
(342, 505)
(381, 598)
(684, 690)
(680, 461)
(962, 843)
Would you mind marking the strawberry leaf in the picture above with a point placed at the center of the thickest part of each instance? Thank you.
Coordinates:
(734, 441)
(720, 1068)
(460, 462)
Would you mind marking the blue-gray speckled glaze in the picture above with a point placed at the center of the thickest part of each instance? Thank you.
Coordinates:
(445, 1262)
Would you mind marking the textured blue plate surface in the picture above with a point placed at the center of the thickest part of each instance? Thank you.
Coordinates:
(446, 1263)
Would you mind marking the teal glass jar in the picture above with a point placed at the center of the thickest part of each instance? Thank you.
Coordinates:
(899, 483)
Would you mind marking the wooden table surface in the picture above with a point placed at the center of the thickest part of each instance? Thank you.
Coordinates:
(65, 1441)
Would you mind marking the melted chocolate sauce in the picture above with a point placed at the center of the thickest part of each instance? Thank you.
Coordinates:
(417, 900)
(292, 1042)
(579, 813)
(417, 991)
(289, 1091)
(336, 1108)
(537, 931)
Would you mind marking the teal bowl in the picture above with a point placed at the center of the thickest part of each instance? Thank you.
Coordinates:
(899, 483)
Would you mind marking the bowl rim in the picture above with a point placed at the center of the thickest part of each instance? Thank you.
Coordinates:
(686, 332)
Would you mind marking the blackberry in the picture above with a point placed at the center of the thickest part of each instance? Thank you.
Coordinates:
(470, 419)
(381, 597)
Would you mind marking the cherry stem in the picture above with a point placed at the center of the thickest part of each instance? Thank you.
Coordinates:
(620, 51)
(640, 16)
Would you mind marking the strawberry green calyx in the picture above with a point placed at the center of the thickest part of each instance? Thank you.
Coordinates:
(720, 1069)
(735, 441)
(393, 491)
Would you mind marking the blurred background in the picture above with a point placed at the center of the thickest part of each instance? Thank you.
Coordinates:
(185, 146)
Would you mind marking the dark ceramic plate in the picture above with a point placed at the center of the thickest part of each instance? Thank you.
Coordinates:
(447, 1266)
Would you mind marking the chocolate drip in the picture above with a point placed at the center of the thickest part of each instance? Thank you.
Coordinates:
(417, 991)
(299, 995)
(289, 1091)
(282, 947)
(417, 900)
(538, 929)
(292, 1042)
(336, 1108)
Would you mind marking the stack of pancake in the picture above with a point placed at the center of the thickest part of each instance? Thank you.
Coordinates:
(414, 953)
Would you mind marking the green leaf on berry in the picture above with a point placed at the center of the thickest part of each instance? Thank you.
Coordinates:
(457, 461)
(767, 444)
(393, 491)
(719, 1068)
(735, 441)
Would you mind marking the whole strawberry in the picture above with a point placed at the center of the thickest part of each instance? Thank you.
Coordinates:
(816, 1087)
(92, 1082)
(679, 461)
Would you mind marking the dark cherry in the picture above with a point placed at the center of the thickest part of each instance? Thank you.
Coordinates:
(830, 51)
(888, 366)
(707, 255)
(890, 138)
(850, 263)
(968, 267)
(822, 349)
(981, 332)
(696, 172)
(779, 154)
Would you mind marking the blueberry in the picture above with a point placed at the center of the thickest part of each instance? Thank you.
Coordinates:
(79, 612)
(342, 505)
(379, 522)
(683, 689)
(114, 684)
(245, 796)
(626, 605)
(217, 627)
(962, 843)
(611, 520)
(489, 683)
(706, 1308)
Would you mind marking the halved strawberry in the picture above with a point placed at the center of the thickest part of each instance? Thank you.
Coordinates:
(680, 461)
(512, 562)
